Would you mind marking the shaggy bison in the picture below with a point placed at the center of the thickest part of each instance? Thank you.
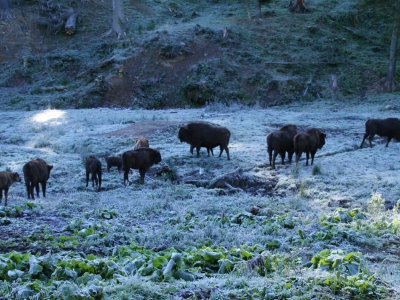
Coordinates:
(36, 171)
(201, 134)
(389, 127)
(93, 166)
(141, 142)
(113, 161)
(141, 159)
(6, 180)
(281, 141)
(308, 141)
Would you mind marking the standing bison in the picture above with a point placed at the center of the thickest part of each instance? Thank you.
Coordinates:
(141, 142)
(389, 127)
(142, 159)
(281, 141)
(93, 166)
(6, 180)
(308, 141)
(113, 161)
(201, 134)
(36, 171)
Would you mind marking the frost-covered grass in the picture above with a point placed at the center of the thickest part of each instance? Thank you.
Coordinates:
(331, 230)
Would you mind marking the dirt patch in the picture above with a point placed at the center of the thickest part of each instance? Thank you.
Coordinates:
(144, 128)
(156, 70)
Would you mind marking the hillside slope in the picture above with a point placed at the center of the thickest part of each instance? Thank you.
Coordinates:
(175, 54)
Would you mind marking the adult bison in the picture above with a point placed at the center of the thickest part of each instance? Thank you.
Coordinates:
(142, 159)
(36, 171)
(141, 142)
(280, 142)
(308, 141)
(6, 180)
(202, 134)
(93, 166)
(389, 127)
(113, 161)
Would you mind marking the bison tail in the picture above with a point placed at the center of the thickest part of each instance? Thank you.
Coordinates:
(296, 143)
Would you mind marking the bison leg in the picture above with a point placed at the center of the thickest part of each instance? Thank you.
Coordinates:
(87, 178)
(43, 188)
(212, 152)
(270, 156)
(290, 155)
(298, 154)
(37, 189)
(312, 157)
(227, 152)
(108, 168)
(364, 138)
(191, 149)
(99, 181)
(142, 174)
(282, 155)
(307, 156)
(1, 196)
(388, 140)
(371, 136)
(5, 195)
(126, 172)
(274, 159)
(198, 151)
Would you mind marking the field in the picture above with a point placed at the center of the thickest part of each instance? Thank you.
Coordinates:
(328, 231)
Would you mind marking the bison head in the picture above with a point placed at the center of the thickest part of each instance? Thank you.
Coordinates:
(322, 137)
(16, 177)
(183, 134)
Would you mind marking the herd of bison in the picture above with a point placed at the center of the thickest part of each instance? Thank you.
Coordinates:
(198, 135)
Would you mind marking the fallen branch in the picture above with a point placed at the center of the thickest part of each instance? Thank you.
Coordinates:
(300, 63)
(100, 65)
(60, 88)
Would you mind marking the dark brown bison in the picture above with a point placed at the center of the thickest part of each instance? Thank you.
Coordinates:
(202, 134)
(36, 171)
(142, 159)
(93, 166)
(389, 127)
(6, 180)
(113, 161)
(141, 142)
(280, 142)
(308, 141)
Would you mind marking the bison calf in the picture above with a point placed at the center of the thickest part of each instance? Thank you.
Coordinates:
(141, 159)
(389, 127)
(36, 171)
(141, 142)
(308, 141)
(6, 180)
(93, 166)
(202, 134)
(113, 161)
(280, 142)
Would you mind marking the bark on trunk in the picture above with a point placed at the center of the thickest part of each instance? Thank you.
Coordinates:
(390, 81)
(70, 24)
(258, 9)
(5, 12)
(118, 18)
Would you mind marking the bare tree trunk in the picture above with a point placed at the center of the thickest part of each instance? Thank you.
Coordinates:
(390, 81)
(118, 17)
(258, 9)
(5, 10)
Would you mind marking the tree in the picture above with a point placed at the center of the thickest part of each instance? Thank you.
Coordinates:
(391, 8)
(390, 80)
(5, 10)
(118, 18)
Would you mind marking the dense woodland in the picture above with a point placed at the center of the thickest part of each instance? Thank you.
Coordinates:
(88, 78)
